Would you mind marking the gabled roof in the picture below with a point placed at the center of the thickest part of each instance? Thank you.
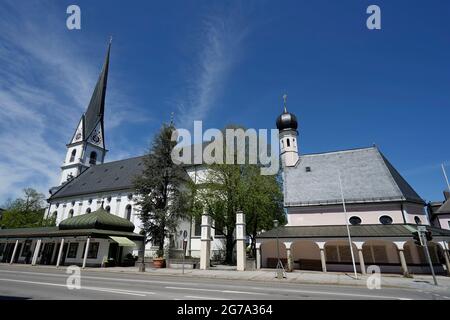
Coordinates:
(367, 176)
(116, 175)
(96, 109)
(99, 219)
(445, 208)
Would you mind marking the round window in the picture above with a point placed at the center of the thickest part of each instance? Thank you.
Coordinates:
(386, 220)
(355, 221)
(417, 220)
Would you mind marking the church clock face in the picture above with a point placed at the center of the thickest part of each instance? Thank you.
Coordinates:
(96, 137)
(78, 136)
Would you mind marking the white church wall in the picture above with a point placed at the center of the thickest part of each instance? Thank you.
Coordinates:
(412, 210)
(334, 215)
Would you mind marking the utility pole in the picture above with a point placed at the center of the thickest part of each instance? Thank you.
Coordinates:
(424, 241)
(348, 229)
(445, 176)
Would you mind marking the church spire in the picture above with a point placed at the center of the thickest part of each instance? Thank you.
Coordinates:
(96, 109)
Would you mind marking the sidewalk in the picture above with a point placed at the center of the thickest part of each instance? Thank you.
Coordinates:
(419, 282)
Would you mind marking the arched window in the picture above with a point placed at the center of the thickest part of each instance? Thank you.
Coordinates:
(108, 209)
(128, 212)
(93, 158)
(288, 143)
(71, 213)
(72, 157)
(385, 220)
(355, 220)
(417, 220)
(54, 215)
(88, 210)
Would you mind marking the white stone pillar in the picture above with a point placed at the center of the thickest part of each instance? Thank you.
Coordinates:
(447, 261)
(14, 252)
(361, 261)
(58, 261)
(403, 262)
(323, 260)
(241, 254)
(205, 246)
(401, 254)
(258, 256)
(36, 252)
(289, 260)
(86, 252)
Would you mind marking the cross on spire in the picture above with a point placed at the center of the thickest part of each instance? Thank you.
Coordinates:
(285, 100)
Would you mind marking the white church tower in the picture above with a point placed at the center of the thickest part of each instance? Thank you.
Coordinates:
(287, 126)
(87, 146)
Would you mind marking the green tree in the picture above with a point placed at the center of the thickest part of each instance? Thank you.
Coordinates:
(232, 187)
(26, 212)
(161, 193)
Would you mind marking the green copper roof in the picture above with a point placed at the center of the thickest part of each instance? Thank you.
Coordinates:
(99, 219)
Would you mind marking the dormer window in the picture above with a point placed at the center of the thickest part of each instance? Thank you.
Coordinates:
(308, 169)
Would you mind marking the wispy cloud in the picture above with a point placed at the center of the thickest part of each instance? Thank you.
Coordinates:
(46, 79)
(220, 48)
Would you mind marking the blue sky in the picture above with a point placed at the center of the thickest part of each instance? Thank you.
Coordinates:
(227, 62)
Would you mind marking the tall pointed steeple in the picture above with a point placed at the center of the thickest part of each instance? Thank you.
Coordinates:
(87, 146)
(96, 109)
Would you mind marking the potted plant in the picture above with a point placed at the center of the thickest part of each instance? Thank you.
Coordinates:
(158, 259)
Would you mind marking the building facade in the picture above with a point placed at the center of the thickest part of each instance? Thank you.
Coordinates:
(359, 188)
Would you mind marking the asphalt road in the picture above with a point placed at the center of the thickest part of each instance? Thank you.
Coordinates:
(24, 282)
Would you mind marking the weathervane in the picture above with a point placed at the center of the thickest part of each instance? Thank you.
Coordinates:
(285, 99)
(110, 39)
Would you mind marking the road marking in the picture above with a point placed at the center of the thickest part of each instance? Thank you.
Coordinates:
(110, 290)
(96, 278)
(339, 294)
(205, 298)
(217, 290)
(198, 284)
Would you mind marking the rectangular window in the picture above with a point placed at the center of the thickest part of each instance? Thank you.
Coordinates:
(93, 250)
(73, 249)
(26, 248)
(2, 248)
(198, 227)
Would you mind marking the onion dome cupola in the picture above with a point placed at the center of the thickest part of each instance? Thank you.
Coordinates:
(287, 120)
(287, 126)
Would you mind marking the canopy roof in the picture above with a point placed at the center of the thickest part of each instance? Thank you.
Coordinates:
(359, 231)
(99, 219)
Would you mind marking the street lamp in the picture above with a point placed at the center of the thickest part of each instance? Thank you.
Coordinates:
(280, 269)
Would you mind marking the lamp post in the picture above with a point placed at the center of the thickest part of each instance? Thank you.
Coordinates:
(280, 268)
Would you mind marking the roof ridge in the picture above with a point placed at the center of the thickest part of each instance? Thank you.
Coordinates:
(393, 173)
(338, 151)
(388, 172)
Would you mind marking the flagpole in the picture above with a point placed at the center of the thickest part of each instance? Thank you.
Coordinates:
(346, 223)
(445, 175)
